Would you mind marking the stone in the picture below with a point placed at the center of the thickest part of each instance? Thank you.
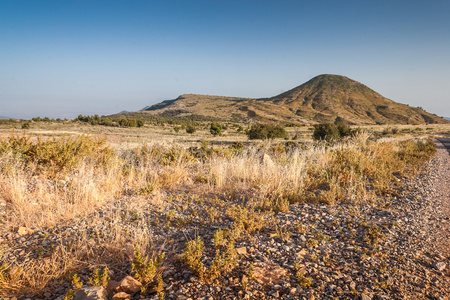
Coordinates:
(25, 231)
(121, 296)
(91, 293)
(301, 253)
(241, 250)
(264, 273)
(440, 266)
(129, 285)
(365, 297)
(112, 286)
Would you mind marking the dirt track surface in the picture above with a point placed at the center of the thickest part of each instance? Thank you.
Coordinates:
(440, 203)
(445, 142)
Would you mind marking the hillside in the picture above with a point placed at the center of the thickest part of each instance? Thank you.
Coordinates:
(325, 98)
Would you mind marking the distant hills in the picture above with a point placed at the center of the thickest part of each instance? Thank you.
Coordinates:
(324, 98)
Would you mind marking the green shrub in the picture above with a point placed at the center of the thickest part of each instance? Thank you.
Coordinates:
(326, 131)
(266, 131)
(238, 146)
(190, 128)
(216, 129)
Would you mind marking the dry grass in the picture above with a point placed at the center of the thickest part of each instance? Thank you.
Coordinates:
(49, 182)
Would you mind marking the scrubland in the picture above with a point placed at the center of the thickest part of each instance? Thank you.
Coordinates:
(49, 180)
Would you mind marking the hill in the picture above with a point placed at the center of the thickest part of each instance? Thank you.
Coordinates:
(324, 98)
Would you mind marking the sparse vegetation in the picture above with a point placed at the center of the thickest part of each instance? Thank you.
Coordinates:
(47, 181)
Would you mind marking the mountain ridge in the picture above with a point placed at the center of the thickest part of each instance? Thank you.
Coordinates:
(324, 98)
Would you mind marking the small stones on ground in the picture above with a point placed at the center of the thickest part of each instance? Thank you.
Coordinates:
(129, 285)
(22, 231)
(440, 266)
(121, 296)
(241, 250)
(91, 293)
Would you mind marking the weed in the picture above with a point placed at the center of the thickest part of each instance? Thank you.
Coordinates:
(69, 295)
(76, 282)
(283, 233)
(193, 254)
(223, 262)
(145, 269)
(160, 286)
(304, 281)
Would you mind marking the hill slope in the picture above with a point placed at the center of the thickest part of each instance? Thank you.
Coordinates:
(325, 98)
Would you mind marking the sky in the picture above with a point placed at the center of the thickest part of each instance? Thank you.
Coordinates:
(65, 58)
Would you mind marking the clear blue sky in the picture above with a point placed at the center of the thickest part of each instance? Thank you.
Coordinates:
(64, 58)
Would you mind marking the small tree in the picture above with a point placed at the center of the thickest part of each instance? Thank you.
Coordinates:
(216, 128)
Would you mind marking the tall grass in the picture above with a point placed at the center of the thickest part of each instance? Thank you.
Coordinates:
(50, 182)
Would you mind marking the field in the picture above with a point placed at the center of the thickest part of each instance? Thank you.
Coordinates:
(84, 204)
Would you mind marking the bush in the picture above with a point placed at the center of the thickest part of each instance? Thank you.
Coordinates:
(190, 128)
(325, 131)
(215, 129)
(55, 156)
(266, 131)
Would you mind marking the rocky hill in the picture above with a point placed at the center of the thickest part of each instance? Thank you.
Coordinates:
(325, 98)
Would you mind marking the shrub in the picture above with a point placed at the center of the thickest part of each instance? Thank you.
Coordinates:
(326, 131)
(266, 131)
(54, 156)
(216, 128)
(190, 128)
(344, 129)
(237, 146)
(146, 269)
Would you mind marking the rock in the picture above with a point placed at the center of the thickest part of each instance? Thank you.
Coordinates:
(365, 297)
(112, 286)
(129, 285)
(440, 266)
(91, 293)
(265, 273)
(25, 231)
(121, 296)
(276, 287)
(301, 253)
(241, 250)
